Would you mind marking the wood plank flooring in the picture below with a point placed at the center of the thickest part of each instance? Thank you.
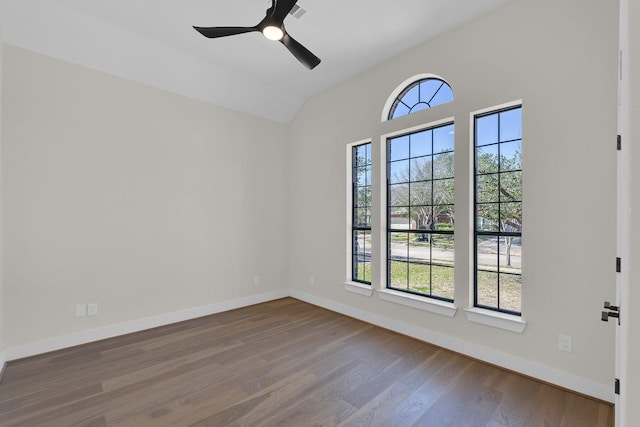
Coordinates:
(282, 363)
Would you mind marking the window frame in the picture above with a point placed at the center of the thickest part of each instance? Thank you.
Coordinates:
(403, 88)
(499, 313)
(386, 218)
(351, 283)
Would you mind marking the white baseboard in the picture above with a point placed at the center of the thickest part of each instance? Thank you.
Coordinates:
(65, 341)
(508, 361)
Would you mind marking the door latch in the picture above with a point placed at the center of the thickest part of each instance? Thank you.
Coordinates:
(613, 311)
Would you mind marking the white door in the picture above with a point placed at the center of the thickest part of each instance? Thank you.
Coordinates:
(627, 412)
(623, 202)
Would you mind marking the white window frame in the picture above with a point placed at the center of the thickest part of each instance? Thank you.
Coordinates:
(495, 319)
(432, 305)
(349, 284)
(402, 86)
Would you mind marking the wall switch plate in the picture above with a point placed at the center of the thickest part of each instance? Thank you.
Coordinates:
(312, 281)
(564, 343)
(256, 280)
(81, 310)
(92, 309)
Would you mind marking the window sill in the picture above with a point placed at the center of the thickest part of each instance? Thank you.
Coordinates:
(495, 319)
(421, 303)
(359, 288)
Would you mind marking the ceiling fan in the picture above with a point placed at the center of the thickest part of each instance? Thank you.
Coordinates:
(272, 27)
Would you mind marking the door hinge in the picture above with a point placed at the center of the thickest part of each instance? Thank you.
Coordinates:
(618, 265)
(617, 386)
(619, 139)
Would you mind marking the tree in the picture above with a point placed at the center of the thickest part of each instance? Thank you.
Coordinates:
(362, 187)
(426, 190)
(499, 194)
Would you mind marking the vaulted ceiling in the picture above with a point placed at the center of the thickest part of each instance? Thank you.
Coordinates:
(153, 42)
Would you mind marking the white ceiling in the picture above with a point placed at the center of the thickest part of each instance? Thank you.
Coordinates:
(153, 42)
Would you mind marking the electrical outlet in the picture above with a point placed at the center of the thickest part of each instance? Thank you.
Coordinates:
(92, 309)
(256, 280)
(81, 310)
(564, 343)
(312, 281)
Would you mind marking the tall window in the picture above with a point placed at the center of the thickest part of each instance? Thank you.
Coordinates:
(420, 95)
(420, 212)
(498, 210)
(361, 213)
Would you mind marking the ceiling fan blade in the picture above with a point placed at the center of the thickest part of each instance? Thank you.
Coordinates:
(282, 9)
(215, 32)
(303, 54)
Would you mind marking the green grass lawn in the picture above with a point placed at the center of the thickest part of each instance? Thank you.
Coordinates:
(510, 290)
(423, 278)
(416, 277)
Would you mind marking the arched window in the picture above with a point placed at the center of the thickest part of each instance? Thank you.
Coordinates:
(420, 94)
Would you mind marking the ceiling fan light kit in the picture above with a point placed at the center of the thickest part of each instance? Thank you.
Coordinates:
(272, 27)
(273, 33)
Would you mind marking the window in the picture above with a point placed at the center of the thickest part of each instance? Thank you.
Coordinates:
(417, 210)
(420, 212)
(498, 210)
(361, 213)
(420, 95)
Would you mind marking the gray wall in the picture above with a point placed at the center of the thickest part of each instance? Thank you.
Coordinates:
(560, 58)
(144, 202)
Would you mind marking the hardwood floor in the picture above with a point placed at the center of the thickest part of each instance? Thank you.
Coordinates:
(282, 363)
